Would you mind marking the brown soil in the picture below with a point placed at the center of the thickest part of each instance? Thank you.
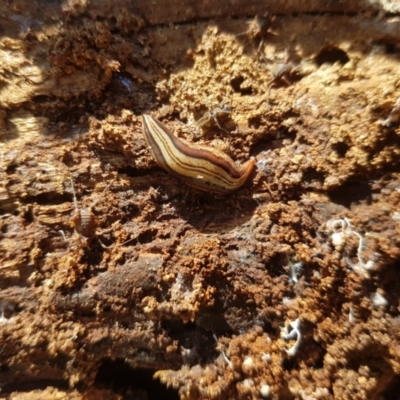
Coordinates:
(285, 289)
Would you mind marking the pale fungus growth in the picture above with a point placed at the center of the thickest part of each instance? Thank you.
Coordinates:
(286, 301)
(352, 319)
(290, 332)
(295, 268)
(187, 355)
(337, 238)
(262, 164)
(266, 357)
(4, 320)
(226, 359)
(378, 300)
(248, 365)
(247, 385)
(342, 229)
(265, 390)
(224, 356)
(394, 115)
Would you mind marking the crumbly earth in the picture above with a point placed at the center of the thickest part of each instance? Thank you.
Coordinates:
(145, 288)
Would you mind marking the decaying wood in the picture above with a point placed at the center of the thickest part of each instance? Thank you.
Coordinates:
(287, 288)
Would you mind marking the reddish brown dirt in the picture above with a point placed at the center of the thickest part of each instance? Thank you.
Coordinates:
(285, 289)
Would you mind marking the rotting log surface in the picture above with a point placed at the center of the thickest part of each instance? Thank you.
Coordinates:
(201, 293)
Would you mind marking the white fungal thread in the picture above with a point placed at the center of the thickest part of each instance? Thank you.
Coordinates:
(289, 332)
(342, 228)
(224, 356)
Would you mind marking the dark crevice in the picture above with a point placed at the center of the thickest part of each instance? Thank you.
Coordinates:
(50, 198)
(275, 141)
(288, 364)
(340, 148)
(312, 178)
(236, 84)
(133, 172)
(42, 99)
(11, 169)
(392, 389)
(331, 55)
(199, 343)
(351, 192)
(277, 264)
(28, 215)
(93, 256)
(147, 236)
(391, 46)
(371, 356)
(120, 377)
